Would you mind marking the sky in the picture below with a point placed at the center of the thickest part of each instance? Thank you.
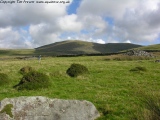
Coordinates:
(30, 25)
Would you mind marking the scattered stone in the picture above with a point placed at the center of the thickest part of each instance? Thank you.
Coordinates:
(42, 108)
(157, 60)
(138, 53)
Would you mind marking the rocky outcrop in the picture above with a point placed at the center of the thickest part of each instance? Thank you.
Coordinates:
(138, 53)
(42, 108)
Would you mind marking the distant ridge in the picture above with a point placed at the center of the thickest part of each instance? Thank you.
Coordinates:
(78, 47)
(83, 47)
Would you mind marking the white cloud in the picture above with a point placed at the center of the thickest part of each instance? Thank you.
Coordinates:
(113, 8)
(93, 27)
(42, 20)
(93, 22)
(136, 21)
(69, 38)
(127, 41)
(26, 14)
(10, 38)
(111, 40)
(100, 41)
(43, 34)
(70, 23)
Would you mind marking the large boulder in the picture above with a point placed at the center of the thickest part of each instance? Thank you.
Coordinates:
(42, 108)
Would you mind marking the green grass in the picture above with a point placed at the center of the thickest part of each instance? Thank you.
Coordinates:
(16, 52)
(151, 47)
(110, 85)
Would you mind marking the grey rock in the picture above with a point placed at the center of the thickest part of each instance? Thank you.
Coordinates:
(138, 53)
(42, 108)
(157, 60)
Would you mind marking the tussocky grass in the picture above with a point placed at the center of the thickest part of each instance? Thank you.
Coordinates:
(110, 85)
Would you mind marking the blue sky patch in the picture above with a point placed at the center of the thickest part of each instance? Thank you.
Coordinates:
(72, 9)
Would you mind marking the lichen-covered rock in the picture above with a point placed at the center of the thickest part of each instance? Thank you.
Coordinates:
(157, 60)
(138, 53)
(42, 108)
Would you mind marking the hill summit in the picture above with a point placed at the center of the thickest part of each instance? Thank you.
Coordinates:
(83, 47)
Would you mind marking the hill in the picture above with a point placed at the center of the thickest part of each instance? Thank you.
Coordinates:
(83, 47)
(77, 47)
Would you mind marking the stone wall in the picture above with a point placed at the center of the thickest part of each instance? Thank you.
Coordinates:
(138, 53)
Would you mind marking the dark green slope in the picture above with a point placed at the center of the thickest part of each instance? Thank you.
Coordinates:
(83, 47)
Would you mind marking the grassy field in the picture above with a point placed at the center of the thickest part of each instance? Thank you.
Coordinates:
(116, 91)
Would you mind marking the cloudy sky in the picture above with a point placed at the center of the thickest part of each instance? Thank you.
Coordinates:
(30, 25)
